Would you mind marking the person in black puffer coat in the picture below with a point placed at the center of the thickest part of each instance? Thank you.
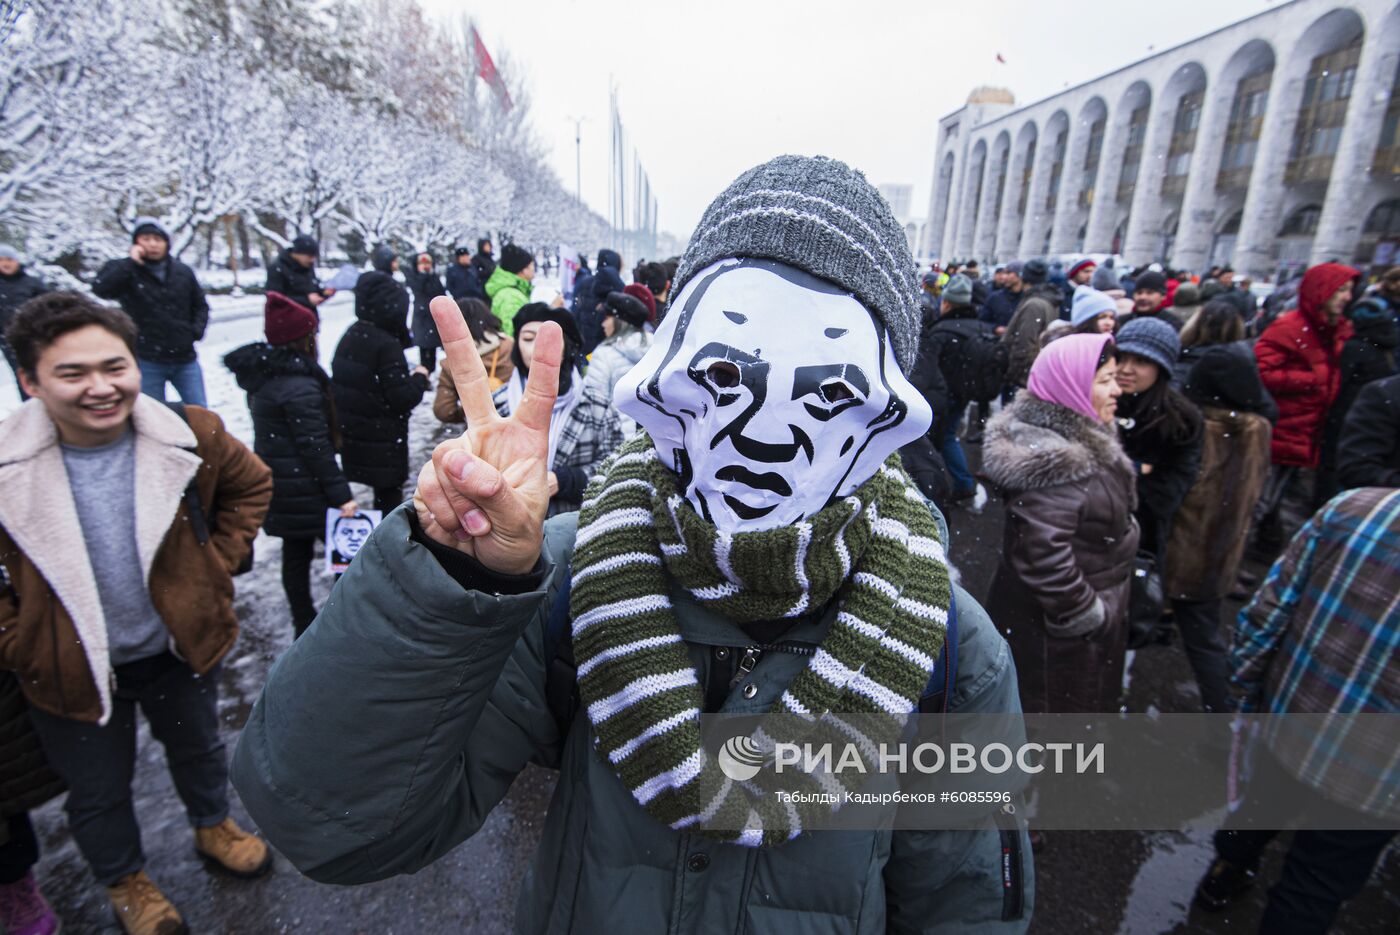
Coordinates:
(1369, 354)
(295, 434)
(590, 316)
(374, 390)
(1159, 427)
(425, 285)
(1369, 452)
(16, 288)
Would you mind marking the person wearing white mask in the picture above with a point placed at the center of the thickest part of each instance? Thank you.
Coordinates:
(756, 548)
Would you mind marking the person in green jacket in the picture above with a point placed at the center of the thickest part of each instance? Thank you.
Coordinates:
(508, 288)
(755, 549)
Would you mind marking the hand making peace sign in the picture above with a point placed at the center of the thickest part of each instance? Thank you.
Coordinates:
(486, 492)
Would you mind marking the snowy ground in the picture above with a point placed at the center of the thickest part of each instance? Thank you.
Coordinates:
(1129, 883)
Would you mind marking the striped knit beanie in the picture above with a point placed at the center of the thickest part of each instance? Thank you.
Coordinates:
(822, 216)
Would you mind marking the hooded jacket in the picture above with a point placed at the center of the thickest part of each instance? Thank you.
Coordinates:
(170, 310)
(1369, 452)
(1300, 363)
(508, 294)
(441, 693)
(289, 398)
(607, 279)
(1060, 592)
(52, 630)
(374, 390)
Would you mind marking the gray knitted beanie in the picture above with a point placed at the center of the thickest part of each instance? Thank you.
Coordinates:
(821, 216)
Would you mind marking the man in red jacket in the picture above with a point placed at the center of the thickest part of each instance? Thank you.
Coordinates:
(1298, 358)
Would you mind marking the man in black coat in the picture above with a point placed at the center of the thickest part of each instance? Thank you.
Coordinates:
(425, 285)
(484, 262)
(943, 351)
(462, 281)
(374, 390)
(293, 273)
(1369, 452)
(16, 288)
(164, 298)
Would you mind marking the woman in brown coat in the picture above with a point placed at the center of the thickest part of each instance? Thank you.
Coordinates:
(494, 346)
(1060, 593)
(1209, 531)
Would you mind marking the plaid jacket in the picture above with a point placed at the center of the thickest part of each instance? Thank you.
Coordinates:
(590, 435)
(1321, 637)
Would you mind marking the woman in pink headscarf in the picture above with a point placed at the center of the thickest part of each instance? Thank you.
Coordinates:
(1061, 590)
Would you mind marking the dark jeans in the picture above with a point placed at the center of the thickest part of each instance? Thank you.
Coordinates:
(387, 499)
(1199, 623)
(1322, 870)
(427, 356)
(187, 379)
(296, 581)
(20, 852)
(953, 455)
(97, 762)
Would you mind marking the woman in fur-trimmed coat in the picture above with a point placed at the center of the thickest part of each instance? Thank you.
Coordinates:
(1060, 593)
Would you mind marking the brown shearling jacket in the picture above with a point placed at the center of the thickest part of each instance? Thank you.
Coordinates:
(52, 631)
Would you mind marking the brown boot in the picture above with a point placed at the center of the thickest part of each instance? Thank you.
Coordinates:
(233, 850)
(142, 909)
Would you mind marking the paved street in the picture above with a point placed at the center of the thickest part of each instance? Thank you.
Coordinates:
(1129, 883)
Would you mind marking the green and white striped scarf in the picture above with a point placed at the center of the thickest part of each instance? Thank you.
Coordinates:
(876, 552)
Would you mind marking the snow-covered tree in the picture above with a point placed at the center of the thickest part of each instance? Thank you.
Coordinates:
(64, 120)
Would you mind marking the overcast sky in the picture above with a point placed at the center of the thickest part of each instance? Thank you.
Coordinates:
(708, 89)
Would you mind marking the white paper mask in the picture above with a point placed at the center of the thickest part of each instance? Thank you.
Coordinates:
(770, 392)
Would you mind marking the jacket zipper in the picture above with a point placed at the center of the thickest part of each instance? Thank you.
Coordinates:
(753, 653)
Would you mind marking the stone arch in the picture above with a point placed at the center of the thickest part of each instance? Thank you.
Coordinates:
(1020, 168)
(998, 169)
(1130, 120)
(1045, 184)
(942, 198)
(972, 200)
(1379, 247)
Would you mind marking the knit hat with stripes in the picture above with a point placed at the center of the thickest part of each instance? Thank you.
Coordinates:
(822, 216)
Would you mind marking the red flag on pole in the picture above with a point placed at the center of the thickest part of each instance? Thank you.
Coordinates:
(487, 70)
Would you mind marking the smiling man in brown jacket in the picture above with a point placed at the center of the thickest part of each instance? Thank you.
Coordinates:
(117, 595)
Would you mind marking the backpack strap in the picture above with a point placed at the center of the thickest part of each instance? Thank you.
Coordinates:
(945, 671)
(193, 508)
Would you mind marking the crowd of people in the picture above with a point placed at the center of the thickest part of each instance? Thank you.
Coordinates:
(1145, 430)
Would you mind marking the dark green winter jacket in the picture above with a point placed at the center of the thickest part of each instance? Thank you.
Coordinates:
(389, 731)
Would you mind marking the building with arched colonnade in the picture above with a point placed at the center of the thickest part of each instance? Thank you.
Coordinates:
(1269, 145)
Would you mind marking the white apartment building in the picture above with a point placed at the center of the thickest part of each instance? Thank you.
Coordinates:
(1270, 144)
